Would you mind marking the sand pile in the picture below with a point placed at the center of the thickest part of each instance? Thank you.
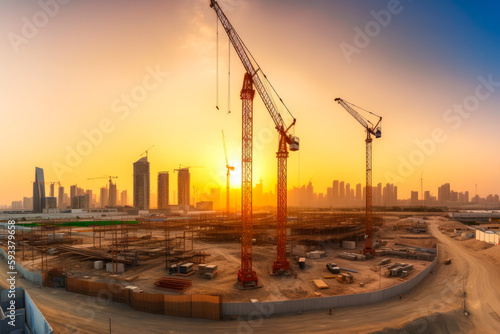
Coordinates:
(493, 253)
(476, 245)
(417, 242)
(453, 224)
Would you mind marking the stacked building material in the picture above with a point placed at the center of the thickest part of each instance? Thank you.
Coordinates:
(173, 283)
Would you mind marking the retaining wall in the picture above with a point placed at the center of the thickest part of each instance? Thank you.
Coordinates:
(30, 276)
(313, 304)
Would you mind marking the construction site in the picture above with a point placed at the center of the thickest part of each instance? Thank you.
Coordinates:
(178, 255)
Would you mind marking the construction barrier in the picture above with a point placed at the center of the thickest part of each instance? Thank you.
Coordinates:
(30, 276)
(267, 309)
(189, 306)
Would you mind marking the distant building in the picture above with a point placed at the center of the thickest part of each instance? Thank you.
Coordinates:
(72, 192)
(359, 194)
(16, 205)
(60, 198)
(341, 191)
(27, 203)
(141, 184)
(112, 194)
(414, 198)
(335, 187)
(89, 194)
(80, 202)
(183, 185)
(444, 193)
(38, 191)
(123, 198)
(163, 189)
(50, 203)
(104, 192)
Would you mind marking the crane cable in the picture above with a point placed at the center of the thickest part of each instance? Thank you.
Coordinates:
(352, 104)
(217, 64)
(228, 75)
(260, 68)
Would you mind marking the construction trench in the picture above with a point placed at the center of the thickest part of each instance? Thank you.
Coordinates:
(205, 251)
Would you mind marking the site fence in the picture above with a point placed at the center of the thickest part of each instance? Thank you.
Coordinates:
(190, 306)
(324, 303)
(30, 276)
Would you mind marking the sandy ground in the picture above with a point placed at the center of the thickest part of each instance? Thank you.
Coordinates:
(432, 307)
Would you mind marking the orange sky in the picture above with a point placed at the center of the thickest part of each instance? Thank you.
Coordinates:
(76, 71)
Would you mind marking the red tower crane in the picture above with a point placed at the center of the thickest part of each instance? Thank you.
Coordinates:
(253, 78)
(370, 130)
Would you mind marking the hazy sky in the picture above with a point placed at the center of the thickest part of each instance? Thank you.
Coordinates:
(143, 73)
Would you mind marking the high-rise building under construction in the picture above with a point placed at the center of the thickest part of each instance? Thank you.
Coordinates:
(163, 189)
(141, 184)
(183, 184)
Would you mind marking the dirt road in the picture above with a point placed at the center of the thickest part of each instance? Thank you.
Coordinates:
(482, 283)
(433, 307)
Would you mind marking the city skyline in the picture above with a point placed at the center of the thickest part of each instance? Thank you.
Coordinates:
(340, 194)
(97, 127)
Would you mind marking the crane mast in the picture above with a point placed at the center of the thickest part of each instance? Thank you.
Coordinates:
(370, 130)
(252, 78)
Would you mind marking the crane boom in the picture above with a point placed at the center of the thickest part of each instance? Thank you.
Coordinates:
(364, 122)
(241, 50)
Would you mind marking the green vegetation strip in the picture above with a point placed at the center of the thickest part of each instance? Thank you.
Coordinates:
(86, 223)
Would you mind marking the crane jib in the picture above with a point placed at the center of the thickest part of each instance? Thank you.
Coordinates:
(240, 49)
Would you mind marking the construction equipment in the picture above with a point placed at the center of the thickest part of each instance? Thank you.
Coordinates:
(345, 278)
(370, 130)
(333, 268)
(253, 77)
(228, 174)
(105, 177)
(112, 197)
(146, 152)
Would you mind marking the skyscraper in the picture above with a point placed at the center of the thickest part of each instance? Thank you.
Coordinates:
(342, 191)
(104, 197)
(335, 191)
(183, 185)
(38, 191)
(123, 198)
(60, 198)
(112, 194)
(163, 189)
(141, 184)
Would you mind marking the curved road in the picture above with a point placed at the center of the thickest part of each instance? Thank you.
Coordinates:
(433, 307)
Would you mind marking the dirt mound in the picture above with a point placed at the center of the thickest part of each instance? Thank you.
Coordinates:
(450, 322)
(428, 242)
(493, 253)
(476, 245)
(453, 224)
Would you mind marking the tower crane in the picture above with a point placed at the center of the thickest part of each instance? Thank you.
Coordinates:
(254, 77)
(370, 130)
(146, 152)
(228, 174)
(104, 177)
